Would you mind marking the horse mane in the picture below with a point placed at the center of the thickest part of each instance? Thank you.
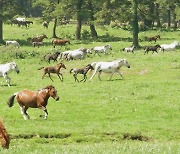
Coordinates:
(49, 87)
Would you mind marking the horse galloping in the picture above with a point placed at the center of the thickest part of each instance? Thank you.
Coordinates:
(4, 136)
(151, 48)
(6, 68)
(130, 49)
(109, 67)
(50, 57)
(33, 99)
(154, 38)
(81, 71)
(101, 49)
(60, 42)
(55, 70)
(39, 38)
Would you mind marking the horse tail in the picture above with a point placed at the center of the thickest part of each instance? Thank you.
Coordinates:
(10, 101)
(40, 68)
(71, 70)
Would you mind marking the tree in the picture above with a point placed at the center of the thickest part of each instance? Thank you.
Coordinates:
(135, 23)
(8, 8)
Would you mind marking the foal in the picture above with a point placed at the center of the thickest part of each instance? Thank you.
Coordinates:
(50, 57)
(55, 70)
(81, 71)
(152, 48)
(4, 136)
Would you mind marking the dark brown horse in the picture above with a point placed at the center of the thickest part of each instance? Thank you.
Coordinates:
(153, 38)
(50, 57)
(55, 69)
(151, 48)
(60, 42)
(81, 71)
(4, 136)
(33, 99)
(39, 38)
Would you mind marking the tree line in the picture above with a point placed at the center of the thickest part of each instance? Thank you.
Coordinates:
(137, 14)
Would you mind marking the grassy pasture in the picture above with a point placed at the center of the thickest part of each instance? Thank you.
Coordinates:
(137, 115)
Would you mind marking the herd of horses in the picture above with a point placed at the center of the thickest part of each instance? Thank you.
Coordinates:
(39, 99)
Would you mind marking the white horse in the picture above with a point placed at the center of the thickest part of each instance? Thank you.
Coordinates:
(130, 49)
(109, 67)
(171, 46)
(101, 49)
(6, 68)
(14, 43)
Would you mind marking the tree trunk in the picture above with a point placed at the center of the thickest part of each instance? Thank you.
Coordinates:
(157, 16)
(1, 22)
(135, 24)
(108, 7)
(1, 31)
(169, 18)
(55, 24)
(79, 19)
(54, 28)
(174, 19)
(92, 27)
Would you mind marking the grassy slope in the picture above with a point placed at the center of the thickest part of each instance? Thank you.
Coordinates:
(99, 113)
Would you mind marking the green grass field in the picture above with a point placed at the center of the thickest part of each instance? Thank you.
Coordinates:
(139, 114)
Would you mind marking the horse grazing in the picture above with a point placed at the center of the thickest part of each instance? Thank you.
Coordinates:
(14, 43)
(4, 136)
(81, 71)
(130, 49)
(55, 69)
(33, 99)
(151, 48)
(109, 67)
(153, 38)
(50, 57)
(101, 49)
(6, 68)
(60, 42)
(39, 38)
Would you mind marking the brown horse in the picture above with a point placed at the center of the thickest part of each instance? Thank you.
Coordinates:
(55, 69)
(154, 38)
(4, 136)
(39, 38)
(37, 99)
(60, 42)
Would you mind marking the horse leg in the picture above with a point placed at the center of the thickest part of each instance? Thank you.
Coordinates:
(75, 77)
(23, 112)
(99, 74)
(95, 71)
(50, 77)
(60, 77)
(7, 79)
(120, 74)
(45, 112)
(84, 79)
(111, 77)
(43, 75)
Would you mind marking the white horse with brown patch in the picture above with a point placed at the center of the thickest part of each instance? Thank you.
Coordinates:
(109, 67)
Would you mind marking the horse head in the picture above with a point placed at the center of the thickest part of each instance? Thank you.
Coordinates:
(61, 65)
(89, 66)
(44, 36)
(108, 46)
(14, 67)
(124, 62)
(52, 92)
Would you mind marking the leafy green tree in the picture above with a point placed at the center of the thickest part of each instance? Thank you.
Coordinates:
(8, 8)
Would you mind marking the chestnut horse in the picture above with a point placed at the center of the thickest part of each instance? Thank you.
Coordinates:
(33, 99)
(154, 38)
(55, 69)
(60, 42)
(39, 38)
(4, 136)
